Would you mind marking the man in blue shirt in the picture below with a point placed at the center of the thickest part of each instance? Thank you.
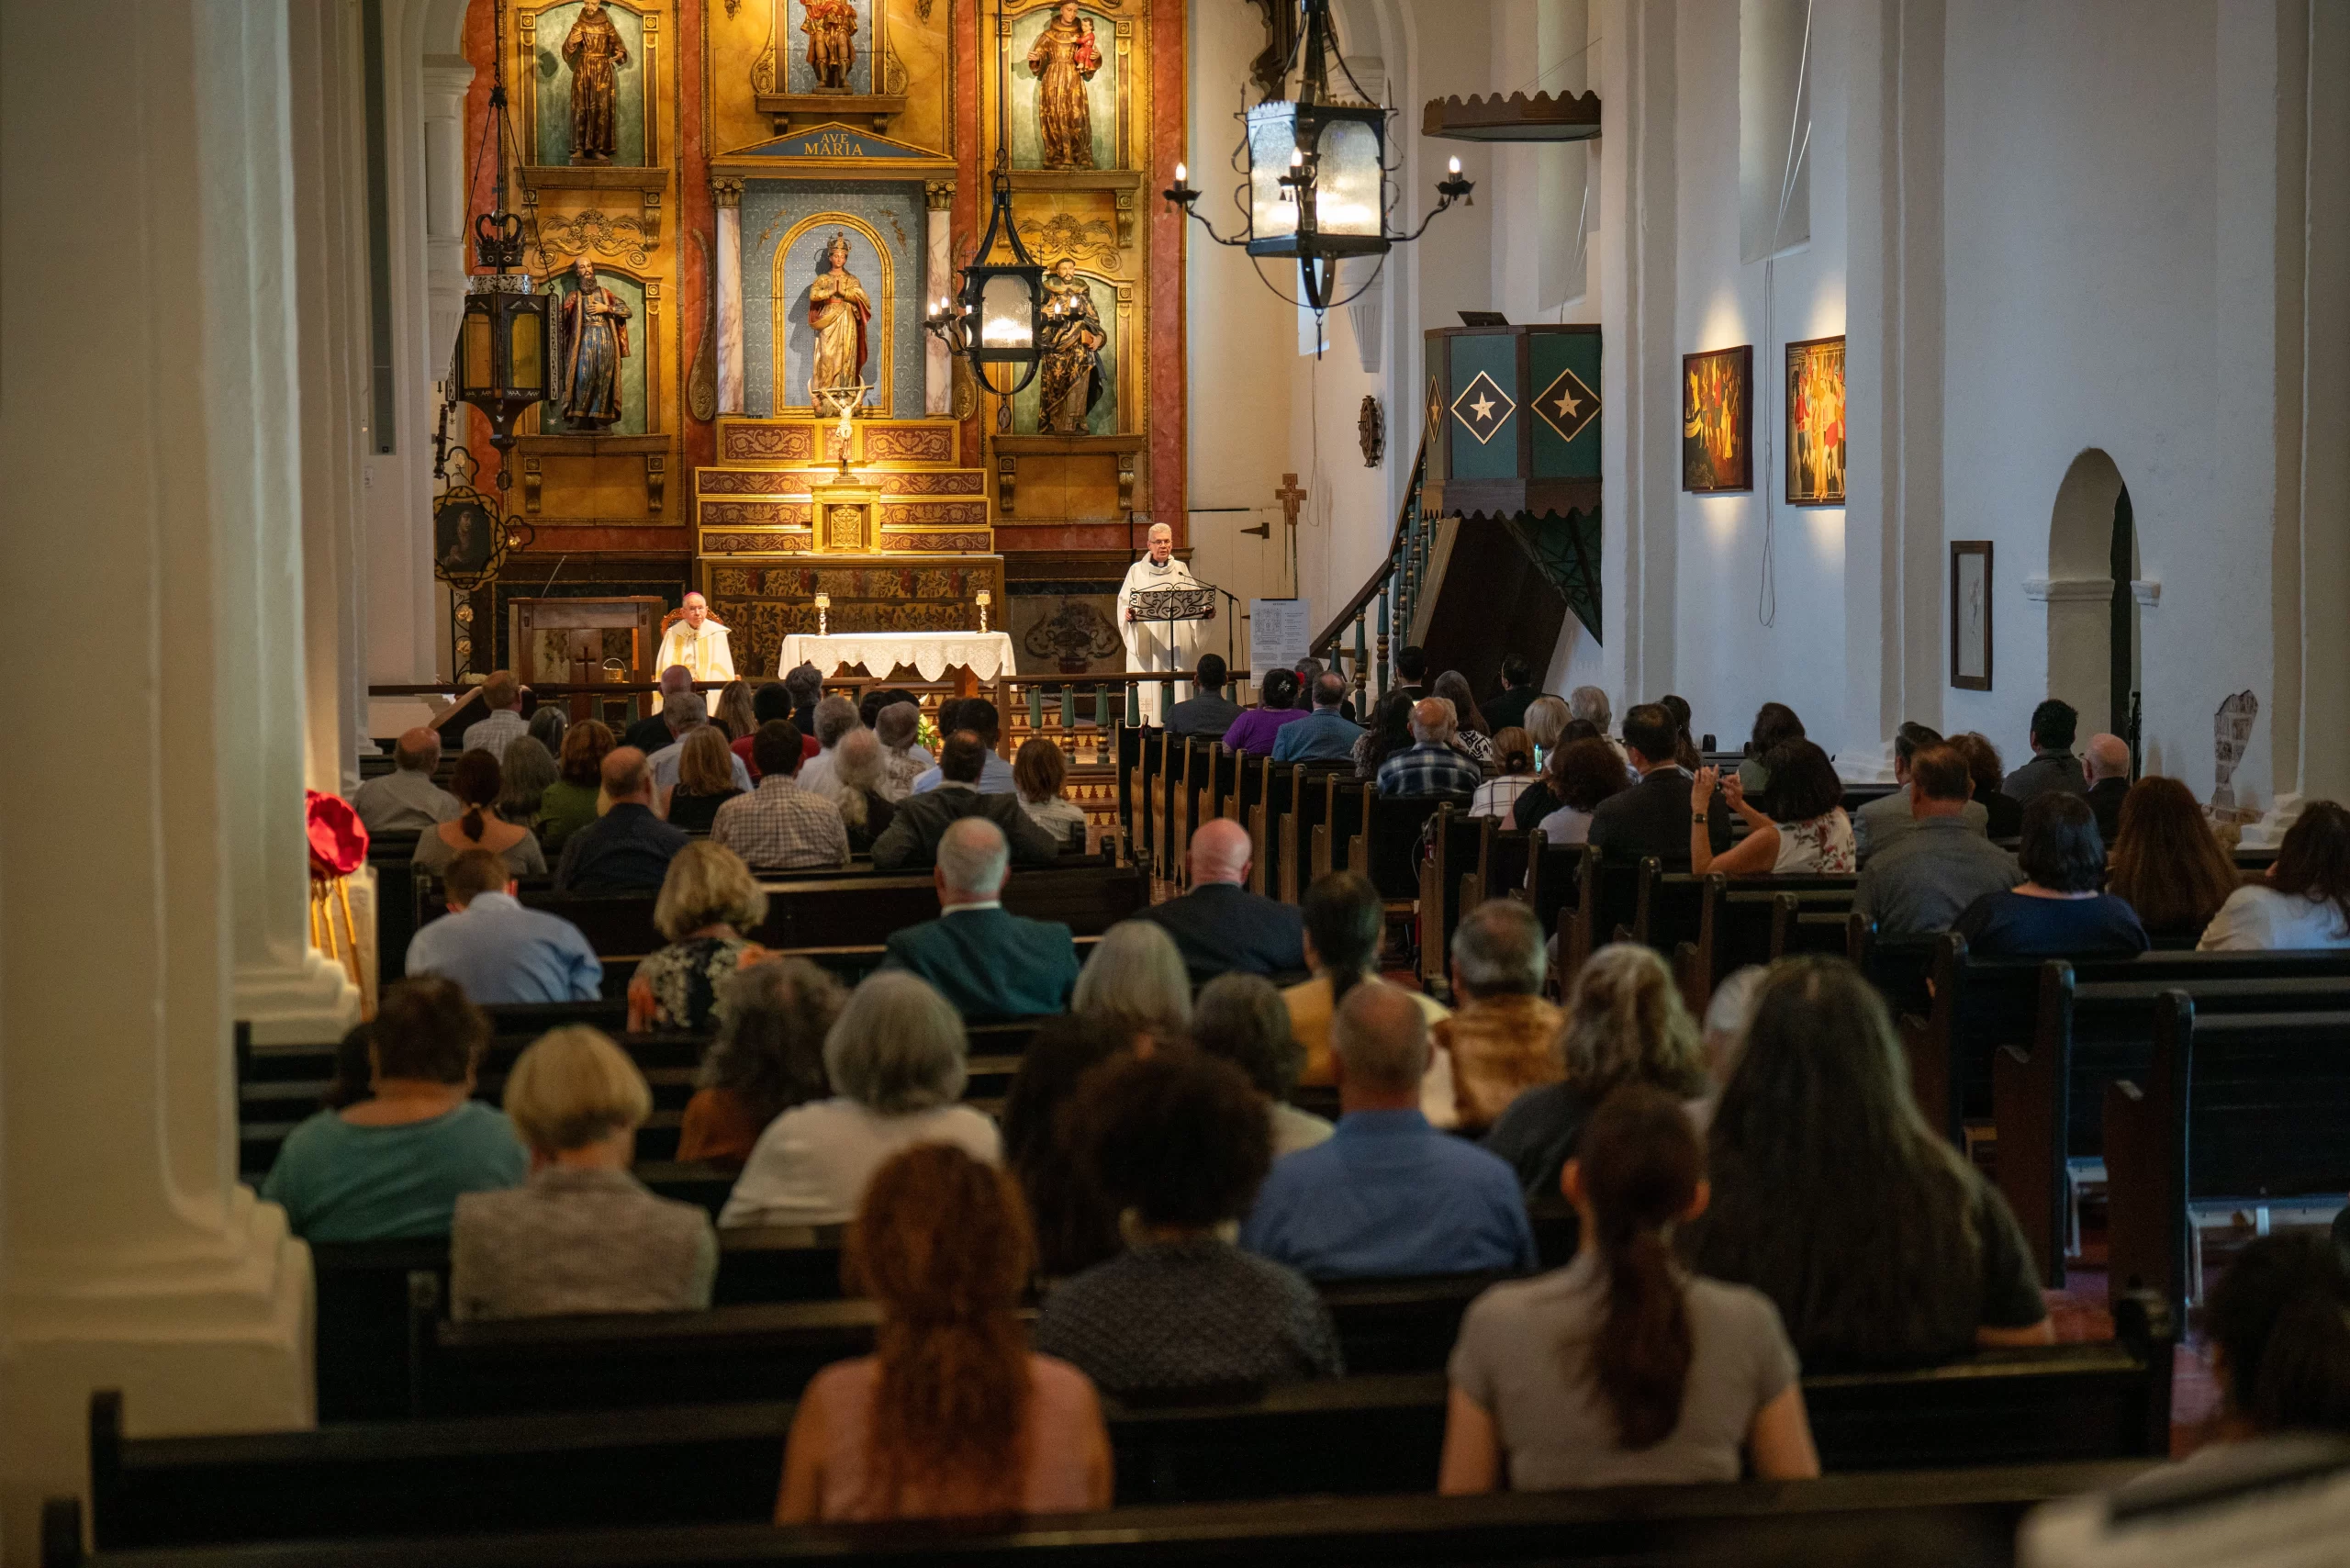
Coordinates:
(1388, 1195)
(498, 951)
(1323, 735)
(978, 715)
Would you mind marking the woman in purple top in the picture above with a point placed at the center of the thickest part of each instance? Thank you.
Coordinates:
(1253, 732)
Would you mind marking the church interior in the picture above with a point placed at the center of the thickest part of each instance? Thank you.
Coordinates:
(1098, 386)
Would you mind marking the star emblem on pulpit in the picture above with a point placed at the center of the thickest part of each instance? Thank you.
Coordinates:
(1435, 407)
(1484, 407)
(1568, 405)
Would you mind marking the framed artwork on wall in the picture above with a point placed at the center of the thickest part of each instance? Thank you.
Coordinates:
(1815, 408)
(1970, 614)
(1718, 421)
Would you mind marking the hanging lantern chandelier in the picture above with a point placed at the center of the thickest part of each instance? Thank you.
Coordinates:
(1005, 299)
(1317, 187)
(506, 344)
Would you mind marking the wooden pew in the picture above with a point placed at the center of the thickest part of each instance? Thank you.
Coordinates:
(2242, 1110)
(711, 1472)
(1304, 810)
(1386, 847)
(1172, 753)
(1452, 881)
(1135, 759)
(1340, 833)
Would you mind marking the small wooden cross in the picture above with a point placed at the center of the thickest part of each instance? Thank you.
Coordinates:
(1291, 497)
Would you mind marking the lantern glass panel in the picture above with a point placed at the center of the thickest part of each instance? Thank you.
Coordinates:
(1007, 313)
(1272, 140)
(1346, 179)
(480, 374)
(530, 362)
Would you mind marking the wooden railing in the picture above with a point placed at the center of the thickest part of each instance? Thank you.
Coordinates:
(1395, 586)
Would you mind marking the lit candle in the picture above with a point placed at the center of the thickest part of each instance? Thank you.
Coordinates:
(1182, 174)
(1456, 165)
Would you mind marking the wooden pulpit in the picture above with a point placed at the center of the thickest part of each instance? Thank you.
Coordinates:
(571, 642)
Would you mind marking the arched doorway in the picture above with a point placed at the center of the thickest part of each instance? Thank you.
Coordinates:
(2093, 642)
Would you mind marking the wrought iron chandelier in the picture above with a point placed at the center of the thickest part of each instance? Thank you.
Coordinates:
(1316, 185)
(1006, 298)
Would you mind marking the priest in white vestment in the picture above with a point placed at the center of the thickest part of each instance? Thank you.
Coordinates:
(697, 642)
(1157, 645)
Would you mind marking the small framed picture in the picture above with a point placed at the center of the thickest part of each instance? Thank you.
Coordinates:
(1970, 614)
(1814, 452)
(1718, 421)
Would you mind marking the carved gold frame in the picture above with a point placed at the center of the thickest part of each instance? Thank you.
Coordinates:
(885, 313)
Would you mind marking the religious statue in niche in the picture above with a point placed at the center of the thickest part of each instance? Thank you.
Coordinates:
(1071, 344)
(830, 27)
(1064, 60)
(595, 341)
(838, 309)
(596, 53)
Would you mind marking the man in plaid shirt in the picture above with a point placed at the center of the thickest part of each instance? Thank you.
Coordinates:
(779, 826)
(1431, 766)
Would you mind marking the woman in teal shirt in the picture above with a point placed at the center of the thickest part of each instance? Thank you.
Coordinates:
(393, 1165)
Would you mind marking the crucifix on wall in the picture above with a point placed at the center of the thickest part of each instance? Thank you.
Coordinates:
(1291, 497)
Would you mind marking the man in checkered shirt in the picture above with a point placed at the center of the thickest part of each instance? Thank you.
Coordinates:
(1431, 766)
(779, 826)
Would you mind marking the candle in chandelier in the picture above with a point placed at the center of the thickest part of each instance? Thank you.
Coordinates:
(1456, 165)
(1005, 332)
(1182, 174)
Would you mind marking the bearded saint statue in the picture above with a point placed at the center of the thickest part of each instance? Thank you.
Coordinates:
(595, 341)
(838, 309)
(596, 53)
(1064, 60)
(1071, 345)
(830, 27)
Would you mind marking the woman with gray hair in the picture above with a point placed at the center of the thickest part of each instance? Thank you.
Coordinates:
(1545, 725)
(769, 1057)
(897, 727)
(526, 770)
(896, 1058)
(1136, 982)
(856, 789)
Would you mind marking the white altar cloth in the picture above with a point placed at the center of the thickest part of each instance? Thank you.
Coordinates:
(987, 655)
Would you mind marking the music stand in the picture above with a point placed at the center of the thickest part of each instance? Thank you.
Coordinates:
(1170, 605)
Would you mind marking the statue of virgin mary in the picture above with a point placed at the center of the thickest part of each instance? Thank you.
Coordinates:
(838, 309)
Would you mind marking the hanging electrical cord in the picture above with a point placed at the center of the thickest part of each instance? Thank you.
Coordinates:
(1766, 593)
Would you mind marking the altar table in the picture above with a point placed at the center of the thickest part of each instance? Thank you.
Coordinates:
(987, 655)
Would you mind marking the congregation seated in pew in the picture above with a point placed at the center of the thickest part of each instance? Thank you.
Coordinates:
(898, 726)
(1624, 1022)
(2060, 908)
(1040, 772)
(525, 771)
(705, 781)
(1074, 1226)
(1388, 1195)
(2303, 900)
(1242, 1019)
(1546, 719)
(2168, 864)
(1621, 1367)
(768, 1057)
(707, 901)
(779, 826)
(1257, 729)
(1324, 734)
(1431, 764)
(1219, 925)
(1502, 1037)
(570, 802)
(1470, 737)
(1582, 776)
(683, 714)
(1344, 927)
(1879, 1243)
(836, 720)
(394, 1164)
(1652, 817)
(1806, 830)
(1513, 761)
(978, 717)
(952, 1415)
(407, 798)
(2003, 817)
(495, 950)
(960, 790)
(1880, 824)
(477, 784)
(987, 962)
(1208, 712)
(1134, 981)
(865, 812)
(1177, 1145)
(581, 1235)
(896, 1061)
(1921, 880)
(629, 847)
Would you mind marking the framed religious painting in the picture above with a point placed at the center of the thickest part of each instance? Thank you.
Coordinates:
(1718, 421)
(1815, 414)
(1970, 614)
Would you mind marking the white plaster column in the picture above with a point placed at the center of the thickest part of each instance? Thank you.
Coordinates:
(445, 78)
(331, 297)
(937, 281)
(727, 199)
(157, 178)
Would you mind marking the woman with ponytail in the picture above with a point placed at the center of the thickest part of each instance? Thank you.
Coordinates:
(952, 1417)
(1622, 1367)
(477, 783)
(1345, 923)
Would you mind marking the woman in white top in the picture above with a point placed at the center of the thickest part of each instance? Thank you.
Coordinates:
(1812, 834)
(2304, 902)
(1514, 754)
(896, 1058)
(902, 761)
(1038, 774)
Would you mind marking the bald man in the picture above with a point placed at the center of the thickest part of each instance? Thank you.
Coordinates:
(406, 799)
(1156, 645)
(1431, 766)
(1220, 927)
(1388, 1196)
(2106, 765)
